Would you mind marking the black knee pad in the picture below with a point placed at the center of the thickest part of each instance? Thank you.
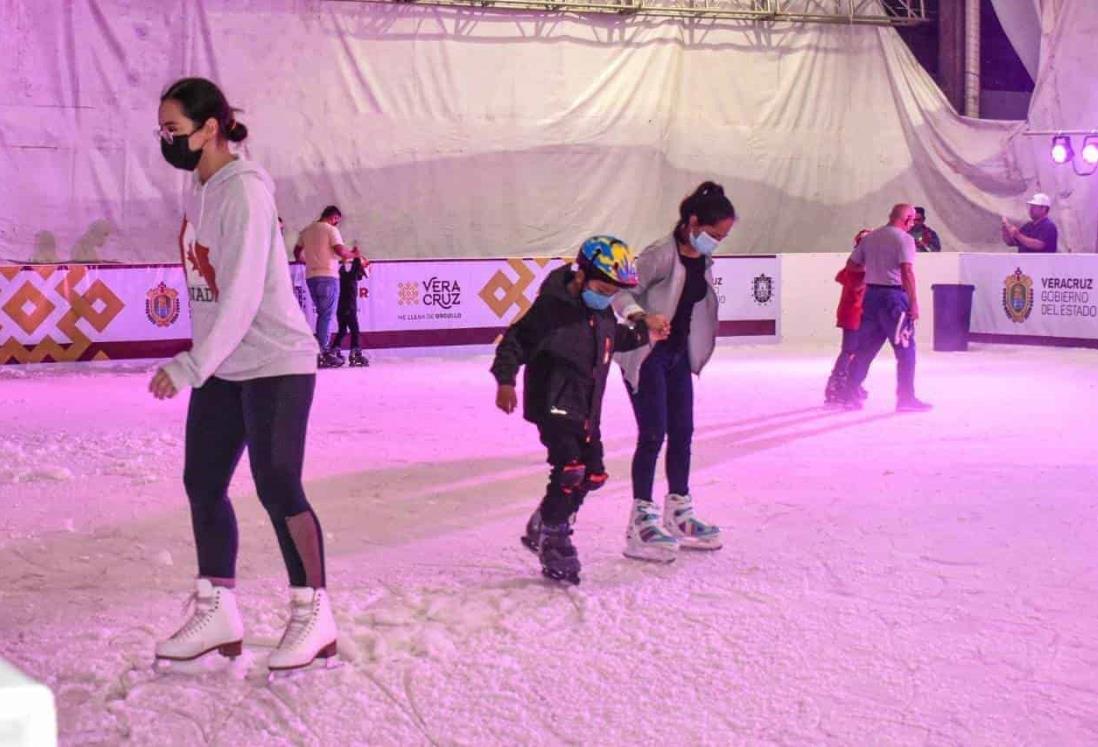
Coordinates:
(572, 476)
(595, 480)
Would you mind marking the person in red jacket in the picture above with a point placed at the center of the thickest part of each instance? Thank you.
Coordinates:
(848, 319)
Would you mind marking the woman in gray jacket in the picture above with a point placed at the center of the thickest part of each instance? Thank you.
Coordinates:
(676, 281)
(252, 371)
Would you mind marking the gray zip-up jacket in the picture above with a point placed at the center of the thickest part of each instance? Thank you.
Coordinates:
(661, 279)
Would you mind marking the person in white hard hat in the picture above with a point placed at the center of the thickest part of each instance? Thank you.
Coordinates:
(1039, 235)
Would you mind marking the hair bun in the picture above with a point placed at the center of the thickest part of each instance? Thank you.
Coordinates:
(709, 188)
(236, 132)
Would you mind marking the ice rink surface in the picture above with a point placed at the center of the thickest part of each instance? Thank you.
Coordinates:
(922, 579)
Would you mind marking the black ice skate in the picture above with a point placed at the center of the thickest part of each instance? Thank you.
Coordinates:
(328, 360)
(357, 359)
(559, 560)
(531, 540)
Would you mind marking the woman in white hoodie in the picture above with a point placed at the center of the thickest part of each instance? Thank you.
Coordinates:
(252, 370)
(676, 282)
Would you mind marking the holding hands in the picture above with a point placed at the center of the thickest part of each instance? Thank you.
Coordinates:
(659, 327)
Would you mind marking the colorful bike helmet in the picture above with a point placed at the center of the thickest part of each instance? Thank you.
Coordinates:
(608, 258)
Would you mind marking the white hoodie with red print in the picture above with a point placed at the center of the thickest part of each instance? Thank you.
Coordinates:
(246, 323)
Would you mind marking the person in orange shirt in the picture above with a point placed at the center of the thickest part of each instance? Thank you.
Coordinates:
(848, 319)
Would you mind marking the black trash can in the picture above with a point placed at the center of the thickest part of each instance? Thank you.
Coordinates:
(952, 315)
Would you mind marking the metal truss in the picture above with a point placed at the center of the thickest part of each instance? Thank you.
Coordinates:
(864, 12)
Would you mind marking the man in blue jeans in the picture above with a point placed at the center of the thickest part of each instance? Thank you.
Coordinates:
(321, 247)
(891, 307)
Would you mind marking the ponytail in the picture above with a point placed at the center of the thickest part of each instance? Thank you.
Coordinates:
(708, 204)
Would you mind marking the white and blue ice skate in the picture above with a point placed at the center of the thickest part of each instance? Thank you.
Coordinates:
(645, 536)
(683, 524)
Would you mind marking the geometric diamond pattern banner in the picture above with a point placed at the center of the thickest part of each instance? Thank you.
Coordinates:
(62, 313)
(469, 302)
(440, 303)
(508, 289)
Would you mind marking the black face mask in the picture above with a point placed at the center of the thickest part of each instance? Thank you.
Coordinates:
(179, 154)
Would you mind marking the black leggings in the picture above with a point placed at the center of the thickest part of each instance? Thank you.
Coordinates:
(269, 416)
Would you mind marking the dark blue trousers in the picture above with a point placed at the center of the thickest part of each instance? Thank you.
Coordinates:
(882, 311)
(663, 404)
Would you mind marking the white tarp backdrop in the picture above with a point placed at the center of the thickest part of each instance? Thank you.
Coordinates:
(1066, 97)
(447, 132)
(1020, 20)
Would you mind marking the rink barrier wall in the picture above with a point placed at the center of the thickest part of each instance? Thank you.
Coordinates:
(53, 313)
(96, 312)
(1034, 299)
(1011, 304)
(810, 294)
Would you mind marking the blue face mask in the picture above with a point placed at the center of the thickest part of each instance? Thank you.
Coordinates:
(704, 243)
(596, 300)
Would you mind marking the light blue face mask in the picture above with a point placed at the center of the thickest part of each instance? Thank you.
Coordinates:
(704, 243)
(596, 300)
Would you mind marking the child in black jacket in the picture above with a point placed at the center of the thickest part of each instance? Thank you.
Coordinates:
(566, 341)
(347, 309)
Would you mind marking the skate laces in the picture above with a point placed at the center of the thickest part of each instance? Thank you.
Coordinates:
(201, 612)
(300, 615)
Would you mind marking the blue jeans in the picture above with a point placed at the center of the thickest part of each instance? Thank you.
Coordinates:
(663, 404)
(325, 293)
(883, 306)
